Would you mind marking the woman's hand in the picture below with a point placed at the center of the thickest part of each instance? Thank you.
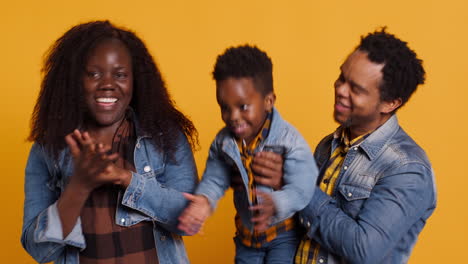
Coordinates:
(92, 165)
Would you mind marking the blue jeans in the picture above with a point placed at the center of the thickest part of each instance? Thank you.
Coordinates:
(281, 250)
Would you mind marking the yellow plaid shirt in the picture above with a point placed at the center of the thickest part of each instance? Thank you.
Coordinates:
(253, 238)
(308, 250)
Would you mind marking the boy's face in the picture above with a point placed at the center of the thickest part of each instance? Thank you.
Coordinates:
(243, 108)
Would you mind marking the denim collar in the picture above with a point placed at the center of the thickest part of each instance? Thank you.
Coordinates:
(374, 143)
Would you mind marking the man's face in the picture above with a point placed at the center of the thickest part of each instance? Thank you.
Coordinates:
(243, 108)
(357, 95)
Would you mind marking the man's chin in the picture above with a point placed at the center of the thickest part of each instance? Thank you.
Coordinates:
(343, 122)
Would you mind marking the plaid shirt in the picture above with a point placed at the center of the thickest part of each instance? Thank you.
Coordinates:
(253, 238)
(308, 250)
(107, 242)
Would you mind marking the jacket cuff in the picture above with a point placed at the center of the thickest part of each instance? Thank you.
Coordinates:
(312, 210)
(282, 208)
(210, 197)
(134, 191)
(49, 229)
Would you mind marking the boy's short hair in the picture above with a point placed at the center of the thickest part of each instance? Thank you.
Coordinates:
(246, 62)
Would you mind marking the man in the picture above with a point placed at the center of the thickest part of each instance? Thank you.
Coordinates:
(376, 186)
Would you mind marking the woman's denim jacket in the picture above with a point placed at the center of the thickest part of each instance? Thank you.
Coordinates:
(384, 194)
(300, 171)
(154, 194)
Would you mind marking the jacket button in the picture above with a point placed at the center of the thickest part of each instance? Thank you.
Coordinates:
(122, 220)
(350, 194)
(163, 238)
(321, 260)
(345, 167)
(147, 168)
(138, 145)
(308, 224)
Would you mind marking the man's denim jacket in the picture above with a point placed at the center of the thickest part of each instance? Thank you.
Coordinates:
(383, 196)
(154, 194)
(300, 171)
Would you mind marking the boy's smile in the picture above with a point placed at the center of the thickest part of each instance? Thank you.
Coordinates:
(243, 108)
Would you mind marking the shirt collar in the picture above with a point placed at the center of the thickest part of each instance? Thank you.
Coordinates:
(373, 141)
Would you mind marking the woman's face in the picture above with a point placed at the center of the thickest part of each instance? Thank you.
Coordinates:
(108, 83)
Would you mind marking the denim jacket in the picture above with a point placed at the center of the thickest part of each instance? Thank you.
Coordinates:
(300, 171)
(154, 194)
(383, 196)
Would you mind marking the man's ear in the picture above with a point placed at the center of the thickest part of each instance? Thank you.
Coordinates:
(270, 99)
(388, 107)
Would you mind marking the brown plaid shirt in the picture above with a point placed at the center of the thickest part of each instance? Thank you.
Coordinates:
(107, 242)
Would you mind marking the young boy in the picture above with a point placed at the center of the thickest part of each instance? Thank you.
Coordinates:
(244, 90)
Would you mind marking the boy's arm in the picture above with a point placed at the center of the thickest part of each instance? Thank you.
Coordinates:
(216, 178)
(300, 175)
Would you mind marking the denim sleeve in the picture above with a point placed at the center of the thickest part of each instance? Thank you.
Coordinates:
(216, 178)
(398, 201)
(42, 230)
(164, 202)
(300, 175)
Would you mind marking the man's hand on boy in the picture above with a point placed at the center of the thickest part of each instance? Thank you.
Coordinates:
(268, 169)
(194, 216)
(263, 212)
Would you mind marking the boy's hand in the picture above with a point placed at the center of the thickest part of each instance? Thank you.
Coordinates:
(194, 216)
(268, 169)
(263, 211)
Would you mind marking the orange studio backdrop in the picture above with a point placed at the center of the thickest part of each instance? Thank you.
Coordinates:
(307, 41)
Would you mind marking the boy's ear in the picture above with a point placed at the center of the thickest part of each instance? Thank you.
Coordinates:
(270, 99)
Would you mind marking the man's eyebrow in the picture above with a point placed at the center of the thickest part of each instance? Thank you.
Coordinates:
(360, 87)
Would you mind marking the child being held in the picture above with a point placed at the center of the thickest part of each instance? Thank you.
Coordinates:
(266, 229)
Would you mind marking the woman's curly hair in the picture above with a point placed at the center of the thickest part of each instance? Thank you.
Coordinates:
(59, 108)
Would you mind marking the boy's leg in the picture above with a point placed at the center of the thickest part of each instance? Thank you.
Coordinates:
(283, 248)
(248, 255)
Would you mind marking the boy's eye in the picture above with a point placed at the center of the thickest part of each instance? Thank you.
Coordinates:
(244, 107)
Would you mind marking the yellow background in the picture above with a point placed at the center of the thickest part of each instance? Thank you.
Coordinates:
(307, 40)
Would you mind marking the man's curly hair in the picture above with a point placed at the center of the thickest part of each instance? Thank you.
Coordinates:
(246, 62)
(402, 71)
(60, 109)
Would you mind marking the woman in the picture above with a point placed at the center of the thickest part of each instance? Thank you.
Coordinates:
(111, 155)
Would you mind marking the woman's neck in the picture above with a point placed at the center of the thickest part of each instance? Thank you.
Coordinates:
(103, 134)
